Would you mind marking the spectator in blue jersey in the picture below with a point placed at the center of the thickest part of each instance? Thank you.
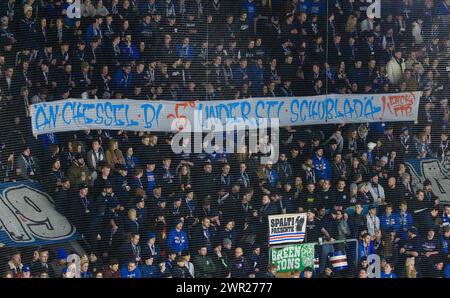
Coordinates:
(322, 168)
(94, 29)
(445, 241)
(178, 240)
(389, 221)
(84, 269)
(130, 270)
(150, 178)
(124, 79)
(129, 50)
(388, 271)
(249, 6)
(446, 215)
(185, 50)
(366, 247)
(318, 7)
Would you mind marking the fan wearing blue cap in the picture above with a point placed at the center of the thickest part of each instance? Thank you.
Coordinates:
(26, 272)
(60, 262)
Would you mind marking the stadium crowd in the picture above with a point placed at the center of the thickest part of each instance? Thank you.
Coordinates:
(143, 211)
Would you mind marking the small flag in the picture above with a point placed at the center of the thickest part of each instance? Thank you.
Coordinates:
(338, 261)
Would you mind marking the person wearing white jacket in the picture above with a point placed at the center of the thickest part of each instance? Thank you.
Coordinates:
(395, 67)
(373, 222)
(376, 190)
(88, 9)
(417, 31)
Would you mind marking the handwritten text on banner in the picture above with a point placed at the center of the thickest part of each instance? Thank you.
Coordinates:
(134, 115)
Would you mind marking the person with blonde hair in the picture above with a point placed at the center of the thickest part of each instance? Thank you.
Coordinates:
(132, 224)
(84, 268)
(351, 26)
(410, 268)
(113, 155)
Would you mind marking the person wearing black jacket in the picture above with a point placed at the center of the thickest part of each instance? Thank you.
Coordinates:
(357, 221)
(325, 195)
(394, 193)
(313, 227)
(81, 211)
(428, 221)
(221, 262)
(59, 33)
(148, 151)
(341, 196)
(239, 267)
(42, 265)
(180, 270)
(202, 236)
(429, 195)
(241, 211)
(63, 198)
(309, 198)
(45, 78)
(206, 182)
(336, 52)
(111, 53)
(419, 208)
(267, 208)
(166, 176)
(411, 247)
(131, 250)
(270, 273)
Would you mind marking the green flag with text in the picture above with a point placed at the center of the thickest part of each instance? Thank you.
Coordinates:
(293, 257)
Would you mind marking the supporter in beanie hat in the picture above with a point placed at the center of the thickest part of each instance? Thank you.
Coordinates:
(150, 248)
(60, 262)
(26, 273)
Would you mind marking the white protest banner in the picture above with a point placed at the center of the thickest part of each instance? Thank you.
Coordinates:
(134, 115)
(287, 228)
